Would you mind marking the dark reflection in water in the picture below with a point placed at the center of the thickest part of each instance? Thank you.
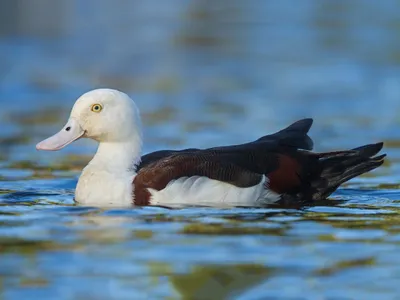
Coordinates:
(203, 73)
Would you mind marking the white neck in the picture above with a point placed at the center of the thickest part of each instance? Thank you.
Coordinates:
(118, 156)
(107, 179)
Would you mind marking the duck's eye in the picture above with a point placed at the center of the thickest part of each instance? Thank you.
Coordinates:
(97, 108)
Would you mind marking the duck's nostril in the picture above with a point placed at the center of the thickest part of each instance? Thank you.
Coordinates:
(68, 128)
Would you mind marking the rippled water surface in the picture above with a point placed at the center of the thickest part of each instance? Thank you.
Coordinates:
(202, 75)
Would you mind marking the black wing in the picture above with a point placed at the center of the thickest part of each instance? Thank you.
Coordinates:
(291, 138)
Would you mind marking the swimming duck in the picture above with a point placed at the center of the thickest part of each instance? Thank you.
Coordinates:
(274, 168)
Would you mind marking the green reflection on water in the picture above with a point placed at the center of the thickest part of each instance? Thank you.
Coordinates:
(219, 282)
(224, 229)
(25, 246)
(343, 265)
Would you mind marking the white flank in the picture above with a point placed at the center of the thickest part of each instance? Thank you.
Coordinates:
(199, 190)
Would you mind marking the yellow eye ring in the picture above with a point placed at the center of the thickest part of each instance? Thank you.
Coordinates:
(97, 108)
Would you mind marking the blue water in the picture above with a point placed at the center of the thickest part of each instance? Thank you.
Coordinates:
(203, 74)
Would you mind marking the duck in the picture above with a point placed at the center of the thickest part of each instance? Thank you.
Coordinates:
(274, 168)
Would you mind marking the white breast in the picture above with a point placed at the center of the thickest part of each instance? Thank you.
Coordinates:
(199, 190)
(104, 188)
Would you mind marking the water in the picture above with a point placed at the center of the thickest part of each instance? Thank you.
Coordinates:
(203, 75)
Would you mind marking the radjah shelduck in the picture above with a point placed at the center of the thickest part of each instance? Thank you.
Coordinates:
(276, 167)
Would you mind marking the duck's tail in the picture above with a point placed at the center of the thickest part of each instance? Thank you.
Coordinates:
(339, 167)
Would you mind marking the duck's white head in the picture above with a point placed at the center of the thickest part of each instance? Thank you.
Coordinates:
(104, 115)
